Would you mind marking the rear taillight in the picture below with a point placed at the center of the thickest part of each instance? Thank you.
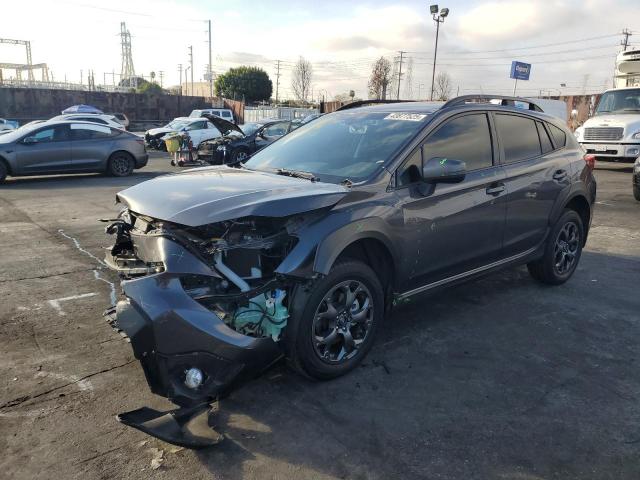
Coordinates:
(590, 160)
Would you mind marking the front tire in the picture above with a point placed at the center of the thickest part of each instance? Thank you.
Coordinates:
(239, 155)
(636, 192)
(120, 165)
(334, 321)
(3, 171)
(562, 251)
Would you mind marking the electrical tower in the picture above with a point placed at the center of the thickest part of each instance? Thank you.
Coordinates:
(127, 72)
(29, 67)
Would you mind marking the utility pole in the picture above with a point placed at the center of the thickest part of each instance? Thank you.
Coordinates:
(438, 17)
(210, 67)
(180, 76)
(277, 79)
(191, 66)
(625, 43)
(161, 73)
(400, 74)
(186, 81)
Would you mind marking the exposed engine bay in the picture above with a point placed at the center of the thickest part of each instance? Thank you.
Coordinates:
(244, 253)
(211, 260)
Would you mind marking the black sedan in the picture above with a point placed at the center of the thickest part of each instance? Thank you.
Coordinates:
(237, 145)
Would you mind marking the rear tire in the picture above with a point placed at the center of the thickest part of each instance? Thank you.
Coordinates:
(334, 321)
(120, 164)
(562, 251)
(3, 171)
(636, 192)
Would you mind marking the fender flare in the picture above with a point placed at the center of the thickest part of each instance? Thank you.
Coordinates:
(316, 250)
(334, 244)
(566, 196)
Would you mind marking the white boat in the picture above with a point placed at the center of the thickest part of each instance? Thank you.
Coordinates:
(628, 69)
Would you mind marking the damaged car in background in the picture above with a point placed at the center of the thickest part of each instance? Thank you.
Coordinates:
(300, 252)
(236, 144)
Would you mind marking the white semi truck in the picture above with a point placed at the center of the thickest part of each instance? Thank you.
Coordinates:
(613, 133)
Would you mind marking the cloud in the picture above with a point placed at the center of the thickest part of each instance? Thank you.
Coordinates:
(358, 42)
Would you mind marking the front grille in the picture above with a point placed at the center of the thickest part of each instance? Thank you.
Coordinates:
(603, 134)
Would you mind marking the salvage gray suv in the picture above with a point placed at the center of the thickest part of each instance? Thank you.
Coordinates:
(301, 251)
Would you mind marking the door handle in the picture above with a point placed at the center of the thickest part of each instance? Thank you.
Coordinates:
(495, 189)
(560, 175)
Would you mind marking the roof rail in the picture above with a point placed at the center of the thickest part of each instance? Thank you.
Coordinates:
(504, 101)
(360, 103)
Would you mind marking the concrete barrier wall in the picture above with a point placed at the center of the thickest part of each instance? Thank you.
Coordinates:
(26, 104)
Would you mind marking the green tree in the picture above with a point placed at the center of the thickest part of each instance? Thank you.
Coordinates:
(150, 88)
(251, 82)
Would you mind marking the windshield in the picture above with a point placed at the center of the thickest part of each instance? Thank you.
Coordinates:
(176, 124)
(620, 101)
(343, 145)
(16, 134)
(249, 128)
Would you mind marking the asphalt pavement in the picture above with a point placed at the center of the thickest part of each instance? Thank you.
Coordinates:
(499, 378)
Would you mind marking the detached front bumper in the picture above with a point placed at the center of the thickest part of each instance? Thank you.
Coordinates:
(170, 332)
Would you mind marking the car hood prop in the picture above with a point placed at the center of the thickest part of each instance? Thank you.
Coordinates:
(186, 426)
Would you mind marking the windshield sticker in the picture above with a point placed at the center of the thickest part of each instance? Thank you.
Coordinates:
(408, 117)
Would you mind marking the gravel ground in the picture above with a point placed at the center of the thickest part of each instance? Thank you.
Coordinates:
(499, 378)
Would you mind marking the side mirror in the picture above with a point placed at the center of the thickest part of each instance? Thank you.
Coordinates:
(30, 140)
(443, 170)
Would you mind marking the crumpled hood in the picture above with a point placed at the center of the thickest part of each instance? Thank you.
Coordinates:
(213, 194)
(161, 130)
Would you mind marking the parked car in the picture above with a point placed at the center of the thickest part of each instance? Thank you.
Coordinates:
(302, 251)
(234, 146)
(5, 125)
(224, 113)
(70, 147)
(122, 119)
(101, 119)
(199, 129)
(153, 136)
(298, 122)
(636, 179)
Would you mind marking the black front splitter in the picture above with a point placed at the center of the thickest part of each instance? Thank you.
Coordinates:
(186, 426)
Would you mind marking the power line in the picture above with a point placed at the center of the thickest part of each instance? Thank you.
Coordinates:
(535, 46)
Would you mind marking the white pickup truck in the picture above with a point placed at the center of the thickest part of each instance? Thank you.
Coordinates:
(613, 133)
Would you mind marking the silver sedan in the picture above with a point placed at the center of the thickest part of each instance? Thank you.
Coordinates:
(70, 147)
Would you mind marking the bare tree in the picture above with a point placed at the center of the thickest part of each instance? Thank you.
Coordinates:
(301, 79)
(380, 79)
(442, 87)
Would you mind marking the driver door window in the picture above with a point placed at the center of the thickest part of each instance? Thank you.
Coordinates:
(465, 138)
(54, 134)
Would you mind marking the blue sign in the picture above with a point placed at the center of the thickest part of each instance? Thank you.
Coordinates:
(520, 71)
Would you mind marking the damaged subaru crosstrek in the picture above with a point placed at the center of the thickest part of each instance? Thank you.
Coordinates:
(301, 251)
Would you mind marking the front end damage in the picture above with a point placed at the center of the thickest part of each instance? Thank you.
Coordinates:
(204, 309)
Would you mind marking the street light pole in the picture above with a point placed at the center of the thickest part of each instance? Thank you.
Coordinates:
(438, 18)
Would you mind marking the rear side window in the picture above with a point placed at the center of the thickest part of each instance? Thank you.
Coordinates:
(545, 141)
(519, 137)
(465, 138)
(559, 137)
(90, 132)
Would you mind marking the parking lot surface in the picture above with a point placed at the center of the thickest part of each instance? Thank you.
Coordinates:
(498, 378)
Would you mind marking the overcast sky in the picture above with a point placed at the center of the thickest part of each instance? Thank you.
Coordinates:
(572, 42)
